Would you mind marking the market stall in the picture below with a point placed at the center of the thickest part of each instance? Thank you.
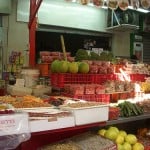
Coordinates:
(75, 98)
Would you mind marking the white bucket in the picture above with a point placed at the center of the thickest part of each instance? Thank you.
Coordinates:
(30, 76)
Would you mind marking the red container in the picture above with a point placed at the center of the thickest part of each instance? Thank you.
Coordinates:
(114, 113)
(137, 77)
(105, 98)
(101, 78)
(60, 79)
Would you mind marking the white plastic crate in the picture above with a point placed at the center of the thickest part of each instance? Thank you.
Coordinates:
(87, 115)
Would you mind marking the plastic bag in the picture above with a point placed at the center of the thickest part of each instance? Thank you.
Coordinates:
(135, 4)
(145, 3)
(112, 4)
(14, 129)
(123, 4)
(13, 141)
(98, 3)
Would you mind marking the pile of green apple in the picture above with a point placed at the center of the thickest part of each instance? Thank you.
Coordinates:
(62, 66)
(123, 140)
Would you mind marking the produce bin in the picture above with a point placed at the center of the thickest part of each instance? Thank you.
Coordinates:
(60, 79)
(89, 115)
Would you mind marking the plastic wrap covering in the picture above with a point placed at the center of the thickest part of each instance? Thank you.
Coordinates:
(14, 129)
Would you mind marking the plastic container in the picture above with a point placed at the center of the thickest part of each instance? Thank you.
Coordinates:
(97, 113)
(44, 69)
(30, 76)
(137, 77)
(60, 79)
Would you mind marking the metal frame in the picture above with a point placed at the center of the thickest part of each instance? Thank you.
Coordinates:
(34, 6)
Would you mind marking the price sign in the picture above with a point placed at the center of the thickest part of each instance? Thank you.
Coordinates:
(14, 124)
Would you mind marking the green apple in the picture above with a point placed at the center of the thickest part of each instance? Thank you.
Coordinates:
(138, 146)
(73, 67)
(119, 139)
(127, 146)
(113, 128)
(131, 138)
(123, 133)
(111, 134)
(120, 147)
(102, 132)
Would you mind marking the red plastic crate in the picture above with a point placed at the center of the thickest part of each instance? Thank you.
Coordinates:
(137, 77)
(60, 79)
(101, 78)
(105, 98)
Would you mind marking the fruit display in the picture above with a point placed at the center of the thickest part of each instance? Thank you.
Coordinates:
(124, 140)
(73, 67)
(128, 109)
(83, 67)
(61, 66)
(48, 57)
(82, 54)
